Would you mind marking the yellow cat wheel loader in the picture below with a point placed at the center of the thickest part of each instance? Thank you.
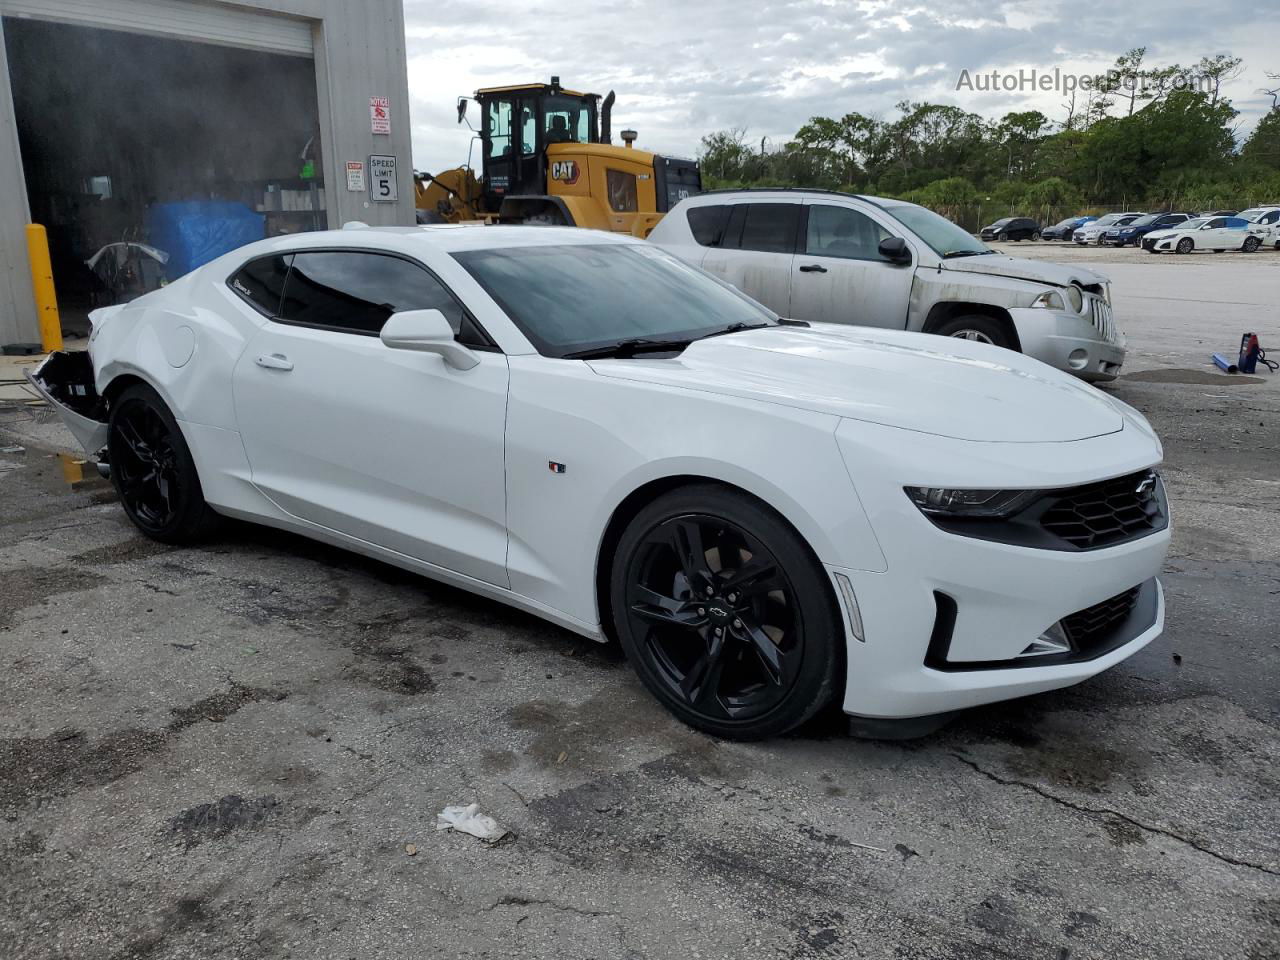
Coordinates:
(547, 157)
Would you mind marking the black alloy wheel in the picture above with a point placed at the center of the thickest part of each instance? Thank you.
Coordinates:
(1251, 244)
(152, 469)
(1185, 245)
(725, 614)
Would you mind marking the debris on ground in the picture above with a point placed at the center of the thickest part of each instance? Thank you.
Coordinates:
(471, 821)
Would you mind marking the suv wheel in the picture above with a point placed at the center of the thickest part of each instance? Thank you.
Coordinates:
(979, 327)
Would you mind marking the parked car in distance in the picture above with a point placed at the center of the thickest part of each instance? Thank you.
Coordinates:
(1218, 213)
(1065, 228)
(1012, 228)
(1264, 223)
(1092, 232)
(1132, 233)
(1204, 233)
(836, 258)
(768, 517)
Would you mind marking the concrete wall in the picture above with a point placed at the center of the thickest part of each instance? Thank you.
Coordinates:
(359, 53)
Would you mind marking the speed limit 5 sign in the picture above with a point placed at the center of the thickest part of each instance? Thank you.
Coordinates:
(382, 179)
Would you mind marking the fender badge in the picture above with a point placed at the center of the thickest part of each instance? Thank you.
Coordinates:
(555, 467)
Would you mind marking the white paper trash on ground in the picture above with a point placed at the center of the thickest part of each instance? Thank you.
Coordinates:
(470, 820)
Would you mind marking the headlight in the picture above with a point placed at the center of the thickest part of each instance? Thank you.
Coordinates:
(1075, 298)
(946, 502)
(1049, 300)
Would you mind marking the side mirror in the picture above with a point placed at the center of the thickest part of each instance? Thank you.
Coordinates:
(894, 249)
(462, 108)
(428, 332)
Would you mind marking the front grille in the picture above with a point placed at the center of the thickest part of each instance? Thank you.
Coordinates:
(1108, 512)
(1093, 625)
(1101, 318)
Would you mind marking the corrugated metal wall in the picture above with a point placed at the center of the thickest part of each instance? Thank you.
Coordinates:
(359, 53)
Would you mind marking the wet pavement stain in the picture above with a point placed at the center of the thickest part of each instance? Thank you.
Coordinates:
(28, 586)
(38, 770)
(213, 821)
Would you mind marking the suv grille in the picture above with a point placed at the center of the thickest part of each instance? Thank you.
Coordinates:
(1101, 318)
(1093, 624)
(1108, 512)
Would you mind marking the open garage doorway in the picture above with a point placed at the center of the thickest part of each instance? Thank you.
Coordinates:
(146, 156)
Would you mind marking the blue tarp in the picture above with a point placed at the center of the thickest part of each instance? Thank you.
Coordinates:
(197, 231)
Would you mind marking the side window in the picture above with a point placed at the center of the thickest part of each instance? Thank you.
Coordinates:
(622, 191)
(356, 292)
(770, 227)
(498, 126)
(843, 232)
(707, 224)
(261, 282)
(1215, 223)
(1271, 217)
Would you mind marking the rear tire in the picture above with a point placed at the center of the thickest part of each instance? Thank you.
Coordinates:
(153, 471)
(1035, 235)
(725, 614)
(1251, 244)
(978, 327)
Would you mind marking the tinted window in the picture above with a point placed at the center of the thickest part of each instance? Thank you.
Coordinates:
(358, 291)
(622, 191)
(841, 232)
(770, 227)
(1236, 223)
(1271, 217)
(707, 224)
(1217, 222)
(261, 282)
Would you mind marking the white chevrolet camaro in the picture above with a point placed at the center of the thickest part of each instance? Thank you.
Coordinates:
(766, 515)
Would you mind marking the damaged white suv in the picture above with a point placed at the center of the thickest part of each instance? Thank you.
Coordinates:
(837, 258)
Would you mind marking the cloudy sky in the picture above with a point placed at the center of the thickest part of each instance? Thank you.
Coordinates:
(684, 69)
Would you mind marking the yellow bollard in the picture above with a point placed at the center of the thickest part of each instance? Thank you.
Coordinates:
(42, 287)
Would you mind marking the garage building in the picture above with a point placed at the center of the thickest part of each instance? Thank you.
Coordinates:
(189, 126)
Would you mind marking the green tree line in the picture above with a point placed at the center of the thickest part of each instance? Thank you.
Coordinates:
(1151, 137)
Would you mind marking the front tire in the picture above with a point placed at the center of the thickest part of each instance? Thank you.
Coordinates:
(978, 327)
(725, 614)
(153, 471)
(1186, 245)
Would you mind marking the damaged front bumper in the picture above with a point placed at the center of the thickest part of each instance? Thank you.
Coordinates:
(65, 380)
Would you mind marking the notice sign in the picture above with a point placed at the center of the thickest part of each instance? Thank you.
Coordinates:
(355, 175)
(382, 179)
(379, 115)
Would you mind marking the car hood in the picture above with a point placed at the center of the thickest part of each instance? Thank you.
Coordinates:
(913, 381)
(1164, 232)
(1018, 268)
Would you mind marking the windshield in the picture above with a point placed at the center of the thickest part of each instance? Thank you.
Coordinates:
(1192, 224)
(1069, 222)
(1106, 221)
(576, 297)
(1143, 221)
(943, 236)
(1253, 213)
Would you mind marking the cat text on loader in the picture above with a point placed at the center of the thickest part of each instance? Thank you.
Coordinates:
(547, 158)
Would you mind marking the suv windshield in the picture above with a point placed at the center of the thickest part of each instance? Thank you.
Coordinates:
(1253, 213)
(943, 236)
(576, 297)
(1143, 221)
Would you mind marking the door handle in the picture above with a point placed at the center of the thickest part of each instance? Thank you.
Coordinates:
(813, 268)
(275, 361)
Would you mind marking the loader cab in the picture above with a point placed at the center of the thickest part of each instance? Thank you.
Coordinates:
(519, 123)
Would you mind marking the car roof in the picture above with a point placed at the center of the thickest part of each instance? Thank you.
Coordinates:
(446, 238)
